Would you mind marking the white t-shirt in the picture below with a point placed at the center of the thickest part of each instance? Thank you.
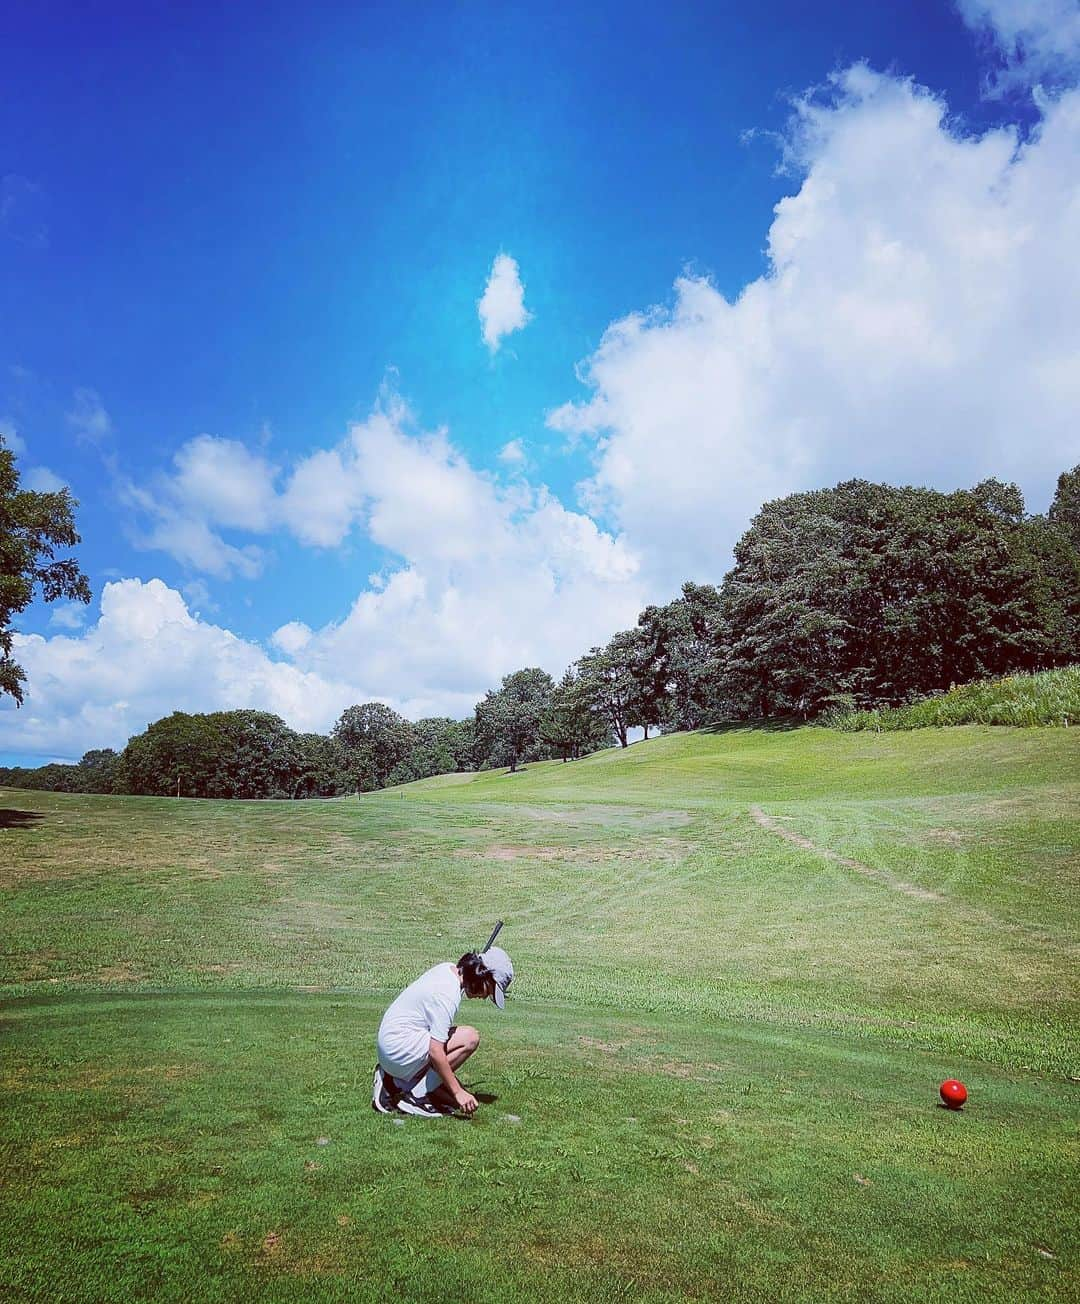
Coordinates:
(425, 1010)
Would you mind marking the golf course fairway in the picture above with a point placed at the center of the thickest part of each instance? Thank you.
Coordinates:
(745, 960)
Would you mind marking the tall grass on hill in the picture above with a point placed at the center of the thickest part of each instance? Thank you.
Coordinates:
(1048, 697)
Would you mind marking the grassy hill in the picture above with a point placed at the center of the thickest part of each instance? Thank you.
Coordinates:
(745, 961)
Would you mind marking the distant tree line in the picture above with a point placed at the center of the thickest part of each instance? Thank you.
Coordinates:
(859, 597)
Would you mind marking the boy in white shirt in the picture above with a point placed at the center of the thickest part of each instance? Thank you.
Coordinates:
(420, 1047)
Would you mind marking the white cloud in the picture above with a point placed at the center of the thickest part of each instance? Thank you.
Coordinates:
(1036, 40)
(88, 416)
(216, 483)
(490, 579)
(146, 656)
(502, 305)
(41, 480)
(920, 321)
(12, 439)
(322, 499)
(68, 615)
(173, 528)
(291, 638)
(512, 453)
(225, 483)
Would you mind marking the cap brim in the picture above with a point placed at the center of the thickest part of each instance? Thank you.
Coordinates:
(499, 997)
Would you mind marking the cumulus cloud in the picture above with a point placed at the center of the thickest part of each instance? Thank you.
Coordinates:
(490, 578)
(291, 638)
(502, 305)
(225, 483)
(215, 484)
(68, 615)
(146, 656)
(1035, 40)
(920, 320)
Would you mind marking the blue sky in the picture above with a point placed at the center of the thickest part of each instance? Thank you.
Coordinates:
(241, 254)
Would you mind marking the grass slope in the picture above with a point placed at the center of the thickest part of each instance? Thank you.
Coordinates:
(718, 1076)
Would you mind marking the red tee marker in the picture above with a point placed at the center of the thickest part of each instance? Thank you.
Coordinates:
(953, 1093)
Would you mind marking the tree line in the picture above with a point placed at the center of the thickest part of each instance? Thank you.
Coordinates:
(863, 596)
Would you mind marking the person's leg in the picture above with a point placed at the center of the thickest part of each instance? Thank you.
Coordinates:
(461, 1043)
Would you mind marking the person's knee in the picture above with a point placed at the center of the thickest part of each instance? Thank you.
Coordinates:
(470, 1038)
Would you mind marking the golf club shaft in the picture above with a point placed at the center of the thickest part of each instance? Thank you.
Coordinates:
(494, 935)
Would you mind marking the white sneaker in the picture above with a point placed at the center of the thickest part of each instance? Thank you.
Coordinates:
(421, 1107)
(384, 1095)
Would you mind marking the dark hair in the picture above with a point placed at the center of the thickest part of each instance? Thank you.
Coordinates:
(474, 974)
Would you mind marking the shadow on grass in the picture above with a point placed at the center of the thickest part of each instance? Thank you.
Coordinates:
(19, 819)
(772, 724)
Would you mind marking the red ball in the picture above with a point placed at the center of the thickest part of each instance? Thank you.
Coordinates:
(953, 1093)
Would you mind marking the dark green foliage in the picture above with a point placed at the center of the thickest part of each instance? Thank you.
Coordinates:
(508, 720)
(866, 595)
(375, 740)
(1064, 511)
(325, 767)
(621, 682)
(32, 527)
(440, 745)
(246, 754)
(569, 726)
(686, 638)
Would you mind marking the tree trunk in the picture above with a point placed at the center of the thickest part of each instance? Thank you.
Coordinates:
(646, 727)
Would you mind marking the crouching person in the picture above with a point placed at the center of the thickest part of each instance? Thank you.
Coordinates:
(420, 1045)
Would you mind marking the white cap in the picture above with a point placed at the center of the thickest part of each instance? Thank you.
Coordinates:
(496, 959)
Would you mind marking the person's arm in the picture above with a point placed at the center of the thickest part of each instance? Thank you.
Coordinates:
(464, 1100)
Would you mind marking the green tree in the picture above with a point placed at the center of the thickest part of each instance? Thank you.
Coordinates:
(100, 771)
(611, 684)
(244, 754)
(1064, 511)
(178, 754)
(440, 746)
(32, 527)
(569, 725)
(324, 767)
(508, 719)
(687, 641)
(870, 595)
(376, 740)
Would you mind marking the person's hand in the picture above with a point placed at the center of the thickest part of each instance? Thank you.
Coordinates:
(466, 1102)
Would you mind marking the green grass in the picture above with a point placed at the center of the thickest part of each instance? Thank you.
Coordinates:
(718, 1077)
(1050, 697)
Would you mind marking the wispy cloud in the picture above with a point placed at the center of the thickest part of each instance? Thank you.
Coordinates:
(42, 480)
(12, 439)
(22, 212)
(88, 417)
